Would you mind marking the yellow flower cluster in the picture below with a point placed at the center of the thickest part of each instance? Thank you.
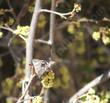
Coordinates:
(77, 7)
(38, 99)
(10, 21)
(64, 80)
(22, 30)
(96, 36)
(90, 97)
(42, 21)
(3, 11)
(103, 34)
(48, 79)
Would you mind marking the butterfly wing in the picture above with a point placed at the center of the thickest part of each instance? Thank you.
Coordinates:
(40, 66)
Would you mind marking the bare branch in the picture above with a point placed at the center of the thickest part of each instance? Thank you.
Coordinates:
(52, 23)
(51, 42)
(43, 41)
(62, 15)
(29, 44)
(93, 83)
(11, 30)
(10, 6)
(7, 28)
(30, 98)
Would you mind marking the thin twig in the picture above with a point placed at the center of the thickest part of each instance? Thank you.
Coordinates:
(30, 98)
(62, 15)
(100, 79)
(9, 43)
(11, 50)
(26, 90)
(46, 96)
(10, 6)
(23, 11)
(11, 30)
(6, 28)
(80, 20)
(42, 41)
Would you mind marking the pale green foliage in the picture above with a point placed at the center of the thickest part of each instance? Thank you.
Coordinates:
(31, 8)
(89, 97)
(103, 34)
(96, 36)
(64, 81)
(92, 97)
(22, 31)
(9, 100)
(105, 97)
(105, 31)
(1, 34)
(42, 21)
(10, 21)
(7, 86)
(105, 40)
(70, 28)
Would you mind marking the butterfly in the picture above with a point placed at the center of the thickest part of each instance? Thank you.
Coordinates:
(42, 66)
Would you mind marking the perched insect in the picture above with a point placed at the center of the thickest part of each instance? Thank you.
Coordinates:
(42, 66)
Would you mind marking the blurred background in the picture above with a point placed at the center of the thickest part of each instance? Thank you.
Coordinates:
(79, 58)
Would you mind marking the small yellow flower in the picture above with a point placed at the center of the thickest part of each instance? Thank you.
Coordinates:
(105, 40)
(51, 75)
(48, 80)
(38, 99)
(31, 9)
(77, 7)
(1, 34)
(96, 36)
(91, 91)
(10, 21)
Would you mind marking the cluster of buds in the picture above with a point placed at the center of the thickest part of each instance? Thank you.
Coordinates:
(77, 7)
(38, 99)
(48, 79)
